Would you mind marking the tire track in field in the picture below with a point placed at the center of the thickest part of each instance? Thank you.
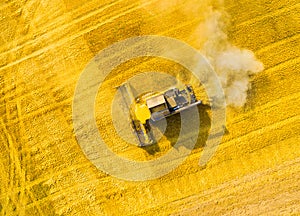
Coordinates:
(261, 108)
(271, 127)
(46, 118)
(294, 61)
(48, 108)
(33, 198)
(195, 156)
(62, 41)
(86, 15)
(266, 112)
(189, 22)
(25, 160)
(4, 180)
(19, 160)
(54, 106)
(273, 45)
(25, 189)
(55, 31)
(58, 43)
(63, 76)
(15, 202)
(15, 171)
(188, 180)
(54, 22)
(266, 109)
(242, 149)
(221, 191)
(31, 184)
(238, 185)
(277, 12)
(80, 33)
(63, 192)
(23, 155)
(279, 43)
(69, 189)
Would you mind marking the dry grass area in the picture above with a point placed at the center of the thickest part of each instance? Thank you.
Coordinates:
(45, 45)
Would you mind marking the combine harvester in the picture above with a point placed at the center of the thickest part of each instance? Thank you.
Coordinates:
(154, 107)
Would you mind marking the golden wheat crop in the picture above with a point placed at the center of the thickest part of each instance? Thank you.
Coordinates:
(44, 47)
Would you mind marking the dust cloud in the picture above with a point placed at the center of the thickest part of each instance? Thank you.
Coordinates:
(233, 65)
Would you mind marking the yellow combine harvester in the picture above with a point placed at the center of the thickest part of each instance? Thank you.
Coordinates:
(154, 107)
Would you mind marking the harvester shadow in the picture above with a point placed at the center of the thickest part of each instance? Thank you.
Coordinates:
(173, 130)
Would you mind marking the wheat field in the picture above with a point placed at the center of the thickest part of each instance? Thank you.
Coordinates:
(44, 47)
